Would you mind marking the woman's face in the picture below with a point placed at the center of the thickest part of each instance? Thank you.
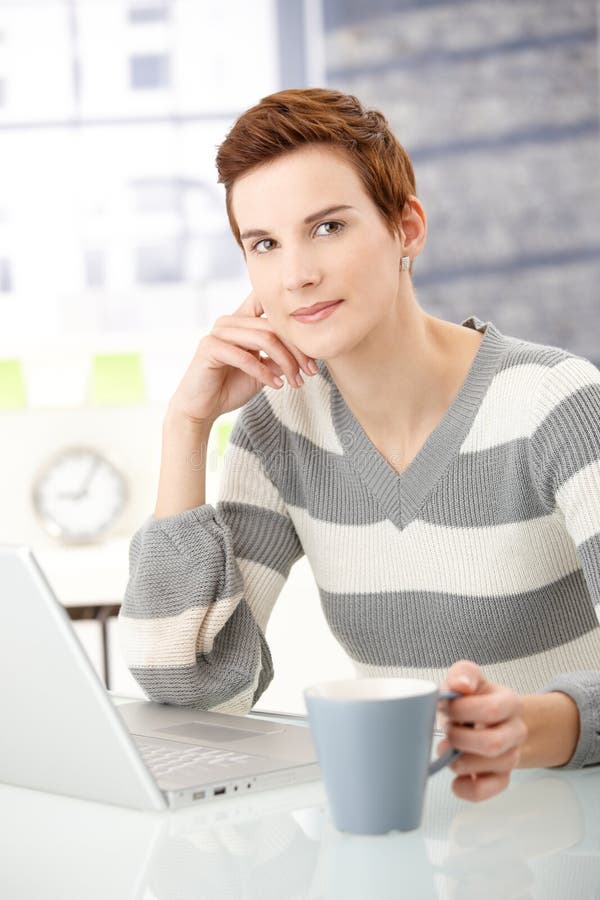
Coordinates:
(309, 251)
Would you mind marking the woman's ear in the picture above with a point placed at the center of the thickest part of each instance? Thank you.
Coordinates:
(412, 228)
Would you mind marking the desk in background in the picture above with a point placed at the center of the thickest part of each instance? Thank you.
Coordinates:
(90, 580)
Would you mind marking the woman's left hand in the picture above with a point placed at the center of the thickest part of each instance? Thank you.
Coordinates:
(488, 726)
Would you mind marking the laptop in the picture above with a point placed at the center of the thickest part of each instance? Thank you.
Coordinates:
(62, 732)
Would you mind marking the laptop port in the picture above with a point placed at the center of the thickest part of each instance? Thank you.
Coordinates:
(219, 791)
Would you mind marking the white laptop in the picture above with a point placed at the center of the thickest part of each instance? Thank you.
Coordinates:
(62, 732)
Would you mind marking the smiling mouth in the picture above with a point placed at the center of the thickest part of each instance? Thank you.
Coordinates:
(319, 311)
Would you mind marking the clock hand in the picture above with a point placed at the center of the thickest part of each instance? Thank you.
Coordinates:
(83, 490)
(90, 475)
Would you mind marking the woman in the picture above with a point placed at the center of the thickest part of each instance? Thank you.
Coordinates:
(443, 480)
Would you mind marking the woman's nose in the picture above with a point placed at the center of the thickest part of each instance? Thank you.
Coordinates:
(299, 270)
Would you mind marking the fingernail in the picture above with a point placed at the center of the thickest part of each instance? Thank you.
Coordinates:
(313, 366)
(464, 681)
(278, 381)
(299, 380)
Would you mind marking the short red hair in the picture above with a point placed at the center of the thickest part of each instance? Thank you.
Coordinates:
(291, 119)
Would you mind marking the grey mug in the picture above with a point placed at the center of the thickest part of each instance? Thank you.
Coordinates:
(373, 741)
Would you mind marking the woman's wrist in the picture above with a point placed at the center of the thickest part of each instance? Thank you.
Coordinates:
(178, 422)
(182, 481)
(553, 725)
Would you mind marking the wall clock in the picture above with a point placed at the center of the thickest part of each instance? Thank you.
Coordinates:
(79, 495)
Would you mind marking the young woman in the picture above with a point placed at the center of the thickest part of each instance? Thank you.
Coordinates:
(443, 480)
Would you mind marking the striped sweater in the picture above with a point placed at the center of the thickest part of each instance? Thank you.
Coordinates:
(487, 547)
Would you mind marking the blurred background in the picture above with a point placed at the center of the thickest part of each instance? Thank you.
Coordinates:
(116, 257)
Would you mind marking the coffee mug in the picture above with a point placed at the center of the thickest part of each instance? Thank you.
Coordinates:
(373, 741)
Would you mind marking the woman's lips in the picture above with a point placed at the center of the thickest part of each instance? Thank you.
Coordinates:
(317, 316)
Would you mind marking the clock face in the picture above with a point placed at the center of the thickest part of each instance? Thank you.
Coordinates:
(80, 495)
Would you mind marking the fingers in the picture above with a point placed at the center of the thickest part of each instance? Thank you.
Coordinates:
(491, 741)
(486, 724)
(273, 367)
(465, 677)
(482, 787)
(494, 705)
(479, 778)
(268, 337)
(252, 310)
(471, 764)
(250, 307)
(222, 352)
(262, 340)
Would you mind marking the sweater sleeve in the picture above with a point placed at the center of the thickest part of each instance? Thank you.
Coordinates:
(202, 585)
(566, 462)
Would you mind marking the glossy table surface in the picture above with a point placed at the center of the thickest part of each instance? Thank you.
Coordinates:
(538, 839)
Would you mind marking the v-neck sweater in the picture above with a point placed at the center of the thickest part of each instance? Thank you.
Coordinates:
(486, 547)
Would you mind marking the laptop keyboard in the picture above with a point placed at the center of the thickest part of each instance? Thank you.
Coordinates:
(164, 761)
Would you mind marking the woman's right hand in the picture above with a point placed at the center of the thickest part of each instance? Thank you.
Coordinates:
(227, 370)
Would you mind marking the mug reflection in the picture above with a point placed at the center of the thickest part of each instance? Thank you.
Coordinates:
(381, 867)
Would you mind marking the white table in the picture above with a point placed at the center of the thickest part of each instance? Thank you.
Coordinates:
(540, 839)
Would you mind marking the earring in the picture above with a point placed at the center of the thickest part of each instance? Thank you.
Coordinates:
(405, 267)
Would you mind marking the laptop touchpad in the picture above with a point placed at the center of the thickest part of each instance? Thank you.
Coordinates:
(199, 731)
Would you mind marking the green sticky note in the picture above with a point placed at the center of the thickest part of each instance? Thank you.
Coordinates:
(223, 431)
(117, 380)
(12, 384)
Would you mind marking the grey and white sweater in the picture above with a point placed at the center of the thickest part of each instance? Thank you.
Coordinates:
(487, 547)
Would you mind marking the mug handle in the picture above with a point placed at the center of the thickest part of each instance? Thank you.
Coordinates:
(451, 754)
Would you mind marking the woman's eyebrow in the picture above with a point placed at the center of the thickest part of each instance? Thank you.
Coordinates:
(257, 232)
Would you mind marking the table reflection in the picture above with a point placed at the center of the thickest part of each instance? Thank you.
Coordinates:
(491, 847)
(539, 839)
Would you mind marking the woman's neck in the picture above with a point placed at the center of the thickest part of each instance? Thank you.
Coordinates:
(400, 382)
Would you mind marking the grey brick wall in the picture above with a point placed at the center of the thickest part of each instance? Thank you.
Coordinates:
(497, 105)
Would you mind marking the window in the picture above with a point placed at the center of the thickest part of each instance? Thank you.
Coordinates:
(95, 268)
(160, 263)
(150, 71)
(148, 11)
(156, 195)
(6, 283)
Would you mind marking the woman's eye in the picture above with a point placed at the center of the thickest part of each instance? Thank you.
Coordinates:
(259, 249)
(330, 228)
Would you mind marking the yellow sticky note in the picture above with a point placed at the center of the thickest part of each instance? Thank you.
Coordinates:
(223, 430)
(12, 384)
(117, 379)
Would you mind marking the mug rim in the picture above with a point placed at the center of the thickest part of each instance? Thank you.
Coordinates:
(426, 686)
